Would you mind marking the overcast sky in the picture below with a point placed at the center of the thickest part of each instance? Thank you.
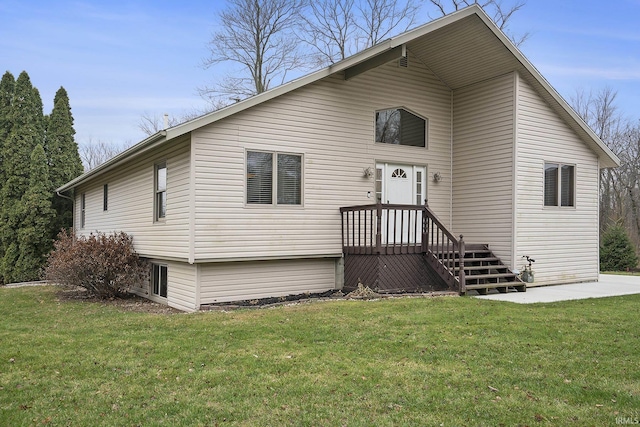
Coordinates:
(120, 59)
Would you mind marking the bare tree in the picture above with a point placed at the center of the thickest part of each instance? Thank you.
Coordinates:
(619, 187)
(382, 18)
(329, 28)
(259, 36)
(496, 9)
(152, 123)
(94, 153)
(336, 29)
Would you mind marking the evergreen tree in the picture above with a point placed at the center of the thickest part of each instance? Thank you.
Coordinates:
(62, 156)
(7, 88)
(25, 134)
(616, 251)
(36, 215)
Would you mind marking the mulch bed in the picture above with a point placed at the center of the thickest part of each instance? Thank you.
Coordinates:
(135, 303)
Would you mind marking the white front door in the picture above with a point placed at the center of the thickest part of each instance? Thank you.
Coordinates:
(398, 184)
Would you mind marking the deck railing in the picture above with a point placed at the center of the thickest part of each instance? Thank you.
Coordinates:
(387, 229)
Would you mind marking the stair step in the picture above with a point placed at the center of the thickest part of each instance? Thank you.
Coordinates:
(473, 259)
(490, 276)
(482, 267)
(501, 287)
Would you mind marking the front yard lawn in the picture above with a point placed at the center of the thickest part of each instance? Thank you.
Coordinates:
(409, 361)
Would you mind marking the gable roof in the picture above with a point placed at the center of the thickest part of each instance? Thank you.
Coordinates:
(461, 48)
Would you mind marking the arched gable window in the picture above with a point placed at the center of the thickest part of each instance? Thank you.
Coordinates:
(401, 127)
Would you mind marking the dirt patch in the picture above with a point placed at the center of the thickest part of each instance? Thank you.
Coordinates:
(133, 303)
(273, 301)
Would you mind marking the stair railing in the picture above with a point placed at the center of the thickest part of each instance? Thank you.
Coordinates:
(444, 250)
(387, 229)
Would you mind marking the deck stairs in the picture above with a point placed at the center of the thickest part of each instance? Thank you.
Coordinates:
(484, 271)
(395, 247)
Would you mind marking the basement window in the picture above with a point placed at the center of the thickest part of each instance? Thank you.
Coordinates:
(400, 127)
(159, 279)
(559, 185)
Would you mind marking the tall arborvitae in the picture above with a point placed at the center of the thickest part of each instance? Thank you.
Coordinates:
(7, 89)
(25, 134)
(62, 156)
(36, 215)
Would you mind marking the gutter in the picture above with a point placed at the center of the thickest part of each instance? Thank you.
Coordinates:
(139, 148)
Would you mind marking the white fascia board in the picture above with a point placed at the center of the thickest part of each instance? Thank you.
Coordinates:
(230, 110)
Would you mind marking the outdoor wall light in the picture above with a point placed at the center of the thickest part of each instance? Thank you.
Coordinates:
(367, 172)
(437, 177)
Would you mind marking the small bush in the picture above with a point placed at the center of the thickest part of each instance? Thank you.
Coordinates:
(616, 251)
(105, 265)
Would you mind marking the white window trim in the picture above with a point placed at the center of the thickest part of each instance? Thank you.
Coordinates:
(151, 281)
(559, 189)
(83, 210)
(105, 197)
(426, 127)
(156, 166)
(274, 183)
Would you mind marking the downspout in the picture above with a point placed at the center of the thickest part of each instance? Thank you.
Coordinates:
(73, 210)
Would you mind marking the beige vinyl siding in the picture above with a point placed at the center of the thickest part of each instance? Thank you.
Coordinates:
(483, 164)
(563, 241)
(131, 203)
(181, 286)
(331, 124)
(236, 281)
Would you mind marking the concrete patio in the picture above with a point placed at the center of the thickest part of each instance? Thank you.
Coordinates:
(609, 285)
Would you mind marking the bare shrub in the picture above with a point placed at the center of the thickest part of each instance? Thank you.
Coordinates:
(106, 265)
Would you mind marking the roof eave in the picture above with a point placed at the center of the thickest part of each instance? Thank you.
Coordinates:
(135, 150)
(607, 157)
(351, 61)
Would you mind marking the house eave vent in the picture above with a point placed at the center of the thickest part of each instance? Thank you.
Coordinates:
(403, 62)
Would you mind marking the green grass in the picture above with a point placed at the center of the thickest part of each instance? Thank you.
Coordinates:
(443, 361)
(621, 273)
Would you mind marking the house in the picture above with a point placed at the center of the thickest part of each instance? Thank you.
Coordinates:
(245, 202)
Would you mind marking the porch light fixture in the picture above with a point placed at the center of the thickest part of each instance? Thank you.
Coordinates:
(437, 177)
(367, 172)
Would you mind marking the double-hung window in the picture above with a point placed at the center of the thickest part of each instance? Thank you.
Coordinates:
(160, 191)
(83, 210)
(559, 185)
(274, 178)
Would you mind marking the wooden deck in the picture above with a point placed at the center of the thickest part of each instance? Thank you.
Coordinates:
(406, 248)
